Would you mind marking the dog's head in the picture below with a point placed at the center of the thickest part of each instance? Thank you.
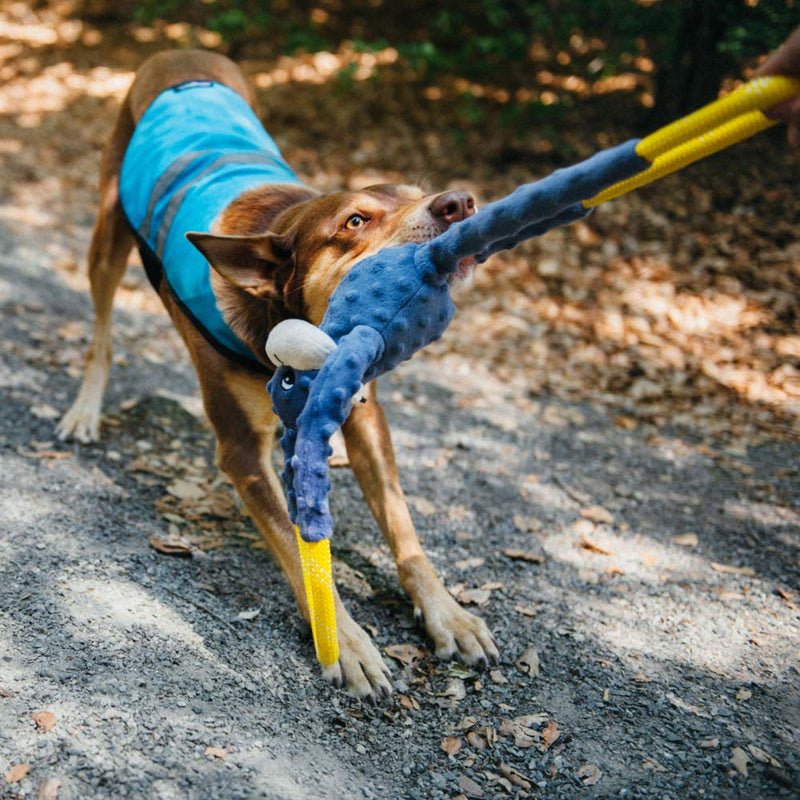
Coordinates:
(297, 255)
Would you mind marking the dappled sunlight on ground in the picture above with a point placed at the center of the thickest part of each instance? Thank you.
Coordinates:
(661, 304)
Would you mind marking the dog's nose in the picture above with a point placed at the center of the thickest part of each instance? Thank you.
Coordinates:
(452, 206)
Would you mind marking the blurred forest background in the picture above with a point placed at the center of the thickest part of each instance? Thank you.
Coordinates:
(676, 305)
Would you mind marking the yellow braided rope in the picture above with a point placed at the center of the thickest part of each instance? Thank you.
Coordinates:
(315, 559)
(714, 127)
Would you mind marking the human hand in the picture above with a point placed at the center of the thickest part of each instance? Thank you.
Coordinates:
(785, 61)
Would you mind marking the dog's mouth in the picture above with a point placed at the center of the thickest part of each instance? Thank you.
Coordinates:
(464, 271)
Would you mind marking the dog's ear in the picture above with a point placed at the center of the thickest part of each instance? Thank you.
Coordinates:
(250, 262)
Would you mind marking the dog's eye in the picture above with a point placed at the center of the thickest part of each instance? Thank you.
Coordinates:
(355, 222)
(287, 381)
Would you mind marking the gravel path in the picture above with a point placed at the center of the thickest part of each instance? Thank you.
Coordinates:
(642, 586)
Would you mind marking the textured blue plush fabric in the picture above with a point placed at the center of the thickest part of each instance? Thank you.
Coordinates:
(394, 303)
(197, 148)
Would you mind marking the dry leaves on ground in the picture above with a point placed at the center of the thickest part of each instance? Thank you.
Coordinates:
(452, 745)
(17, 773)
(589, 774)
(528, 662)
(406, 654)
(729, 569)
(523, 555)
(48, 789)
(588, 544)
(45, 720)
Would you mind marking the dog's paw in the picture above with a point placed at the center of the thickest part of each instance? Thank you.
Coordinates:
(456, 632)
(81, 423)
(360, 668)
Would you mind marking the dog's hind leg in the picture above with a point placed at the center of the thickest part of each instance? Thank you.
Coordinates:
(111, 245)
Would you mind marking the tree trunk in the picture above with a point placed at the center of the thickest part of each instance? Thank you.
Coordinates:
(693, 77)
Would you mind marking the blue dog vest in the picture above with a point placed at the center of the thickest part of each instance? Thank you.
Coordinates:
(196, 149)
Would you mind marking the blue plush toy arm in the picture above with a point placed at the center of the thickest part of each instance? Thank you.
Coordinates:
(566, 217)
(536, 207)
(329, 402)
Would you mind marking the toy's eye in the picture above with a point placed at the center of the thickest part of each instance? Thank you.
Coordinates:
(355, 222)
(287, 381)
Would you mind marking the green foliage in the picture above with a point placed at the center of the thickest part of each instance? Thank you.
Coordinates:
(489, 41)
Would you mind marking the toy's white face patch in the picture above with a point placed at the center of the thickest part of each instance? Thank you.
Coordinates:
(298, 344)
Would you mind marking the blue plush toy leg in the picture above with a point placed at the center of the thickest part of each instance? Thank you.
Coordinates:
(329, 402)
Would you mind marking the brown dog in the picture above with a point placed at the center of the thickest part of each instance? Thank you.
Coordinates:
(279, 251)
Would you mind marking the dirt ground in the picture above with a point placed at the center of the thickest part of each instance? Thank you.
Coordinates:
(601, 457)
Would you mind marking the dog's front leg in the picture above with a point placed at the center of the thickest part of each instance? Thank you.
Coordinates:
(239, 409)
(369, 447)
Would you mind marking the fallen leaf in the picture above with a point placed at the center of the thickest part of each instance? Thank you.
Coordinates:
(48, 790)
(740, 760)
(493, 777)
(686, 540)
(172, 546)
(478, 597)
(216, 752)
(593, 547)
(589, 774)
(528, 611)
(44, 720)
(516, 777)
(743, 694)
(583, 527)
(17, 773)
(421, 505)
(786, 595)
(451, 745)
(186, 490)
(476, 741)
(406, 654)
(72, 331)
(251, 613)
(54, 454)
(550, 734)
(522, 729)
(528, 662)
(498, 677)
(470, 563)
(763, 756)
(409, 703)
(729, 569)
(454, 690)
(598, 514)
(523, 555)
(351, 579)
(613, 569)
(44, 411)
(527, 524)
(469, 786)
(709, 744)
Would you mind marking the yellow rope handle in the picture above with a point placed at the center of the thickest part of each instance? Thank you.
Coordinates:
(714, 127)
(315, 559)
